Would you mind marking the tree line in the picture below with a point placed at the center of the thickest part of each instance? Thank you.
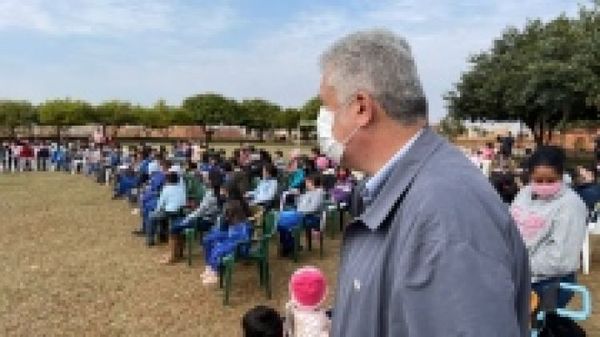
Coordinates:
(203, 109)
(546, 74)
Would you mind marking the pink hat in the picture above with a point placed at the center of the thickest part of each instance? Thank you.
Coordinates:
(308, 287)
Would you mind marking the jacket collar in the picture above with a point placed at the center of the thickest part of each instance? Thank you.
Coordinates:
(400, 178)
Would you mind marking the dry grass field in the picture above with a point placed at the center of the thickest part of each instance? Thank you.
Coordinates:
(70, 267)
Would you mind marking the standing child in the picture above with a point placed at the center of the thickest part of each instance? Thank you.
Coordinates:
(305, 315)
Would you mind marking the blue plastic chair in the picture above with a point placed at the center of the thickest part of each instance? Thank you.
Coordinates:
(576, 315)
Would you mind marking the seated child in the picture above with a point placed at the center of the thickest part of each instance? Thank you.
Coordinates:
(342, 190)
(304, 313)
(288, 219)
(125, 183)
(221, 242)
(265, 192)
(204, 215)
(262, 321)
(311, 202)
(171, 200)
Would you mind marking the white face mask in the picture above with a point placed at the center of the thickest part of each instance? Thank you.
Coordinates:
(327, 142)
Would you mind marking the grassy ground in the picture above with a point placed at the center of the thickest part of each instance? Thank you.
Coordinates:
(70, 267)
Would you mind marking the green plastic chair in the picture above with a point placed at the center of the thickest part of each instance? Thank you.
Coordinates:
(259, 253)
(195, 190)
(190, 235)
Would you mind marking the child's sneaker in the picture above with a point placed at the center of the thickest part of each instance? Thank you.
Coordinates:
(206, 271)
(210, 278)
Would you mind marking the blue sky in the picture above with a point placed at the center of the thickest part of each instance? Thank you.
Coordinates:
(144, 50)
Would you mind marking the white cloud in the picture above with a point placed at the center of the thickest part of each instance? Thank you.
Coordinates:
(280, 64)
(97, 17)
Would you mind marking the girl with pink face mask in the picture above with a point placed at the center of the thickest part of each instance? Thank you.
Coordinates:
(552, 220)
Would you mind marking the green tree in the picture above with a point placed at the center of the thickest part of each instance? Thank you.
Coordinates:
(261, 115)
(16, 113)
(113, 113)
(64, 112)
(212, 109)
(546, 75)
(451, 127)
(310, 109)
(289, 119)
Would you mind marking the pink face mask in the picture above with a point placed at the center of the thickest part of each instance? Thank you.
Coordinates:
(546, 191)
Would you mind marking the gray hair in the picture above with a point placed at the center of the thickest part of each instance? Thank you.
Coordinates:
(379, 62)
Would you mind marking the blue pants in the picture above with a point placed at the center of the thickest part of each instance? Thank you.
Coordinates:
(210, 241)
(220, 250)
(182, 224)
(154, 221)
(564, 296)
(309, 221)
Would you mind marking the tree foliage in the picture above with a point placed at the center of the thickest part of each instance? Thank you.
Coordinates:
(16, 113)
(64, 112)
(203, 109)
(546, 74)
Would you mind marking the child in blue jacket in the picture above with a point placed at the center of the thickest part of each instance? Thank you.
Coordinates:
(289, 218)
(221, 242)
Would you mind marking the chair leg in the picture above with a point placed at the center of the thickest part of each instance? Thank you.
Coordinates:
(261, 279)
(321, 244)
(296, 245)
(221, 273)
(189, 238)
(228, 272)
(267, 272)
(330, 228)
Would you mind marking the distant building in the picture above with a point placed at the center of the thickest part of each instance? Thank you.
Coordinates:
(492, 129)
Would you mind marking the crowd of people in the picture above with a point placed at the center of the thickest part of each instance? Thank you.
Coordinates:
(183, 186)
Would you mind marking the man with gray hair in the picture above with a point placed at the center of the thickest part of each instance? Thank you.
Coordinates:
(434, 251)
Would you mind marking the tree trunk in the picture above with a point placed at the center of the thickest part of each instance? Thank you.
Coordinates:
(58, 133)
(13, 134)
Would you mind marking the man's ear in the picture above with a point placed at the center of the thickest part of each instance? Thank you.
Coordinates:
(364, 108)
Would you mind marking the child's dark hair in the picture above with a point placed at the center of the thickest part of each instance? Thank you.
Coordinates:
(271, 170)
(262, 321)
(316, 179)
(551, 156)
(234, 212)
(172, 178)
(289, 201)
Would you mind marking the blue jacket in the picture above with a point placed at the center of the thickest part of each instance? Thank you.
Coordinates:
(126, 183)
(157, 180)
(144, 166)
(297, 179)
(240, 232)
(590, 193)
(289, 218)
